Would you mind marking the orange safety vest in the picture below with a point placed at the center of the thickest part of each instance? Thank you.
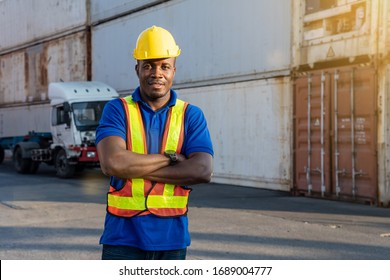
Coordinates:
(142, 197)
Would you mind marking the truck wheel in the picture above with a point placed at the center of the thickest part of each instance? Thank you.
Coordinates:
(1, 155)
(22, 165)
(64, 169)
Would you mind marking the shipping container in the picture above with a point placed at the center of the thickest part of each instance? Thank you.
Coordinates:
(26, 73)
(384, 135)
(336, 133)
(339, 31)
(221, 41)
(340, 57)
(27, 22)
(102, 10)
(18, 121)
(251, 127)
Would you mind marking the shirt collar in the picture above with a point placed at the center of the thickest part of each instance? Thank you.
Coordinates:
(137, 97)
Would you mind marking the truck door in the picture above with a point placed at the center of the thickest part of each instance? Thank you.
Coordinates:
(61, 125)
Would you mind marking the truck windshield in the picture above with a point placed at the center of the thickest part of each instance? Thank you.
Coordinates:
(87, 114)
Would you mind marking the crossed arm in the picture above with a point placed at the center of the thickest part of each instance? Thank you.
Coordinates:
(116, 160)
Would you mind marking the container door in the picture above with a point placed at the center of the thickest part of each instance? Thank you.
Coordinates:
(354, 137)
(312, 132)
(335, 152)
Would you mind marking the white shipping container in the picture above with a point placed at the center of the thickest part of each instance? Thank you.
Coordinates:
(221, 41)
(348, 31)
(26, 73)
(251, 128)
(25, 22)
(18, 121)
(102, 10)
(12, 78)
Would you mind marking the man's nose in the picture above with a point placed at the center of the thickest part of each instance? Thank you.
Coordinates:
(156, 71)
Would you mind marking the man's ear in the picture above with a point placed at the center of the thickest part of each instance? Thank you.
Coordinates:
(136, 69)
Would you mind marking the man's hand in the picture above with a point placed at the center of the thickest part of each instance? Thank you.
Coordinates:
(195, 169)
(116, 160)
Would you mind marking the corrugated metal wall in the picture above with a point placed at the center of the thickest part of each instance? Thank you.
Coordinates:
(384, 141)
(26, 73)
(351, 31)
(384, 132)
(28, 22)
(102, 10)
(251, 126)
(221, 41)
(336, 133)
(342, 151)
(42, 41)
(18, 121)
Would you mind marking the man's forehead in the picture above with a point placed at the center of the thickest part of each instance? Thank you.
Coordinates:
(169, 60)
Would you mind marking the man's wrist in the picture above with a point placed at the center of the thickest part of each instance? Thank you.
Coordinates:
(173, 158)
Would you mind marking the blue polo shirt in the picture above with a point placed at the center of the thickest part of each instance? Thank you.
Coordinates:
(150, 232)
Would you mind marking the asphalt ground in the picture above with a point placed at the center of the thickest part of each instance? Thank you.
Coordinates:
(46, 218)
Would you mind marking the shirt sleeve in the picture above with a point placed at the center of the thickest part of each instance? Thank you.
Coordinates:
(197, 135)
(112, 122)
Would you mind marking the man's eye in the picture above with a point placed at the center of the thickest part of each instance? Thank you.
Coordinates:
(147, 66)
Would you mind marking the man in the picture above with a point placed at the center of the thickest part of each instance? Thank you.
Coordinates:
(152, 145)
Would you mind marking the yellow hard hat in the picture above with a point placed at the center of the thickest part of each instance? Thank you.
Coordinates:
(155, 42)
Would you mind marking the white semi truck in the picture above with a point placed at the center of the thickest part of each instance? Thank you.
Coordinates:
(76, 108)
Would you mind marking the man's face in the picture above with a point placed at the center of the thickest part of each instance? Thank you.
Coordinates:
(156, 77)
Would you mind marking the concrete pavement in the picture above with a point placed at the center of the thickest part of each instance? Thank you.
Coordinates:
(229, 222)
(226, 222)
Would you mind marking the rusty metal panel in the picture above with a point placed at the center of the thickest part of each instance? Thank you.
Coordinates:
(67, 58)
(312, 132)
(348, 148)
(355, 133)
(27, 21)
(250, 125)
(25, 74)
(12, 78)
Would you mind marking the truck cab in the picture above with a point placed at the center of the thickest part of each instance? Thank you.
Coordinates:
(76, 109)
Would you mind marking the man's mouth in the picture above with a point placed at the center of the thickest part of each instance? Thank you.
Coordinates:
(155, 83)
